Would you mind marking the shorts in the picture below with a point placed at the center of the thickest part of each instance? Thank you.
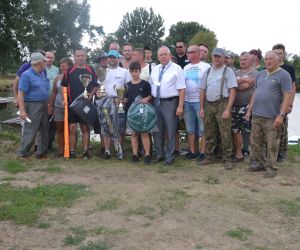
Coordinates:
(74, 118)
(239, 123)
(58, 114)
(193, 122)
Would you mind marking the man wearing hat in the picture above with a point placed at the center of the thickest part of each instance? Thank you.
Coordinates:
(218, 93)
(102, 63)
(116, 76)
(229, 60)
(256, 58)
(33, 95)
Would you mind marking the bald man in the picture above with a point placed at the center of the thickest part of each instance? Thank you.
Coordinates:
(268, 106)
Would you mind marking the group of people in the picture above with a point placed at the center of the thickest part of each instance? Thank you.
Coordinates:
(225, 109)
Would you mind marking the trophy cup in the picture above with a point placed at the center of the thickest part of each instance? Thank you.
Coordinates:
(85, 79)
(121, 91)
(101, 91)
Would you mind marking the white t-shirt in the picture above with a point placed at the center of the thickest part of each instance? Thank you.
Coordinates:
(172, 80)
(115, 77)
(193, 76)
(213, 84)
(145, 73)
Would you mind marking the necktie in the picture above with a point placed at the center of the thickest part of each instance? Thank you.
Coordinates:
(158, 87)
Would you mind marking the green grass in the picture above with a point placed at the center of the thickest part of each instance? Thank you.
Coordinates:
(97, 245)
(294, 153)
(50, 170)
(13, 166)
(210, 180)
(23, 205)
(10, 134)
(78, 235)
(106, 230)
(44, 225)
(110, 204)
(239, 233)
(289, 207)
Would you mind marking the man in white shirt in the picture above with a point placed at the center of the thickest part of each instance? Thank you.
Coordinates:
(115, 77)
(193, 73)
(168, 90)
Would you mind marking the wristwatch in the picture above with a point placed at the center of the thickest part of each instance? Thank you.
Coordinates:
(282, 114)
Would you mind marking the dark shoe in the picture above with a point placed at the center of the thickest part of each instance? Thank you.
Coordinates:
(135, 158)
(106, 156)
(246, 153)
(42, 156)
(206, 162)
(235, 159)
(228, 165)
(270, 172)
(147, 159)
(255, 169)
(201, 157)
(157, 159)
(190, 156)
(86, 155)
(168, 162)
(72, 155)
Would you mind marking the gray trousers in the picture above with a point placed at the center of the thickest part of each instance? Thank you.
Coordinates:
(167, 126)
(38, 114)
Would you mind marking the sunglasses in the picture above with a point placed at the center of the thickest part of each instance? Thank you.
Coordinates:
(179, 47)
(191, 51)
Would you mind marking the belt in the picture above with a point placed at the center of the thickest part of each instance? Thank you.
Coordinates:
(169, 98)
(223, 99)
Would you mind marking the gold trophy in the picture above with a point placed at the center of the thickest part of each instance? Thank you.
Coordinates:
(85, 79)
(101, 91)
(121, 91)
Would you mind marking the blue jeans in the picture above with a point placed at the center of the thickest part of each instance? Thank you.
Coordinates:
(193, 121)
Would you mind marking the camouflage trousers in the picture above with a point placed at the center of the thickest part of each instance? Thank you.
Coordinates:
(214, 123)
(264, 134)
(283, 146)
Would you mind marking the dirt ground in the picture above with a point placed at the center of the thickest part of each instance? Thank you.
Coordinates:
(184, 206)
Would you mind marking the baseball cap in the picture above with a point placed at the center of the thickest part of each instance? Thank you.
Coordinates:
(37, 57)
(218, 52)
(256, 52)
(228, 53)
(113, 53)
(101, 55)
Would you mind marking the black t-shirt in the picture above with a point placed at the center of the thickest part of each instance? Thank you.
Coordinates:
(182, 61)
(143, 89)
(75, 85)
(291, 71)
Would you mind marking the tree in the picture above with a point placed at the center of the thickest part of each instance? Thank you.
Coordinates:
(56, 25)
(141, 28)
(183, 31)
(208, 38)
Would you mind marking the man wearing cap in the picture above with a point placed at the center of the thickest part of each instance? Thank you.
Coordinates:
(72, 80)
(168, 88)
(268, 106)
(256, 58)
(148, 56)
(218, 93)
(102, 63)
(115, 77)
(33, 95)
(229, 60)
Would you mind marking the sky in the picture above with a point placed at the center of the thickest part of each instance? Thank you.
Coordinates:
(240, 25)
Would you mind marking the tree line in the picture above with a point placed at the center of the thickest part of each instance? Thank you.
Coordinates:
(59, 26)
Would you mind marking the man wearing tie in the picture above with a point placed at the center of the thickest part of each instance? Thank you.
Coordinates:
(168, 89)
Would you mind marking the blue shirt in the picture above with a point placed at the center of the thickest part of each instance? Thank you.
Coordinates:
(34, 85)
